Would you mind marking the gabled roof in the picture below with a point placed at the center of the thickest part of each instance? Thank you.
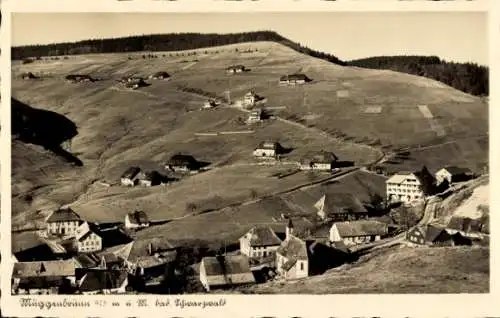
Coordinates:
(44, 268)
(84, 230)
(131, 172)
(95, 280)
(431, 232)
(141, 248)
(293, 248)
(232, 67)
(339, 203)
(361, 228)
(227, 270)
(453, 170)
(400, 177)
(319, 157)
(181, 160)
(63, 215)
(87, 260)
(138, 217)
(262, 236)
(272, 145)
(464, 224)
(294, 77)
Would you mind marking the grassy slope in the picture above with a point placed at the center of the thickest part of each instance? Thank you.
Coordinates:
(120, 128)
(411, 270)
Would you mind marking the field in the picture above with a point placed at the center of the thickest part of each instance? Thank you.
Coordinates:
(411, 270)
(356, 113)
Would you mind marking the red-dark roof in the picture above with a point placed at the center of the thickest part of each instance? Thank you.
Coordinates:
(293, 248)
(262, 236)
(319, 157)
(138, 217)
(131, 172)
(361, 228)
(338, 203)
(97, 280)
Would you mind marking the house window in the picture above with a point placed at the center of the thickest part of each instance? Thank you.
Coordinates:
(301, 266)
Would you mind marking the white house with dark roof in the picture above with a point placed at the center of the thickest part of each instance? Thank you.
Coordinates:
(149, 257)
(250, 98)
(225, 271)
(294, 79)
(452, 174)
(137, 219)
(292, 259)
(161, 75)
(235, 69)
(45, 277)
(358, 232)
(129, 176)
(255, 116)
(87, 239)
(182, 163)
(267, 149)
(63, 221)
(318, 160)
(404, 187)
(340, 207)
(259, 242)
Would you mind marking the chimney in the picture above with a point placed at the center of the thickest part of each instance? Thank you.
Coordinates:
(289, 228)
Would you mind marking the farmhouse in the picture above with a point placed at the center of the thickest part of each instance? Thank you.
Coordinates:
(129, 176)
(135, 84)
(452, 174)
(250, 98)
(267, 149)
(407, 187)
(358, 232)
(137, 219)
(429, 235)
(259, 242)
(99, 281)
(87, 239)
(235, 69)
(255, 116)
(149, 257)
(225, 271)
(28, 76)
(160, 75)
(465, 224)
(211, 103)
(339, 207)
(63, 222)
(149, 178)
(78, 78)
(182, 163)
(318, 160)
(294, 79)
(46, 277)
(292, 260)
(30, 247)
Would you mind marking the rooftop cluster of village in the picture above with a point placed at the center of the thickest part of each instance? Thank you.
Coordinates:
(76, 256)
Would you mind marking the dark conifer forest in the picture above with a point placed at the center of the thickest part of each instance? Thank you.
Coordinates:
(467, 77)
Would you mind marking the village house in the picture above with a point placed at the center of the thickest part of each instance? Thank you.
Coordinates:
(45, 277)
(259, 242)
(31, 246)
(137, 219)
(63, 222)
(235, 69)
(129, 176)
(294, 79)
(78, 78)
(160, 76)
(255, 116)
(318, 160)
(292, 259)
(339, 207)
(429, 235)
(267, 149)
(149, 178)
(250, 99)
(466, 227)
(28, 76)
(211, 103)
(148, 258)
(182, 163)
(358, 232)
(135, 84)
(100, 281)
(225, 271)
(406, 187)
(87, 261)
(452, 174)
(87, 238)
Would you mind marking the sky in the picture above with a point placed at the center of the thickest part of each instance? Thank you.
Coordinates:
(453, 36)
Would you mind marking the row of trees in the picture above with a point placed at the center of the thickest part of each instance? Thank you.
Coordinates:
(466, 77)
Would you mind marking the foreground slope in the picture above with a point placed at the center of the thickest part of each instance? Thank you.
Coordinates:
(354, 112)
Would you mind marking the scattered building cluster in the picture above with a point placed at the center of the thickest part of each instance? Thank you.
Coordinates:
(135, 176)
(79, 78)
